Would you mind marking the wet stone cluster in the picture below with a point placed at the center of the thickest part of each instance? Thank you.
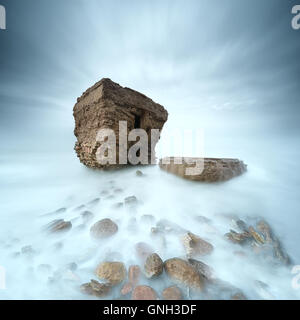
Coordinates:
(188, 276)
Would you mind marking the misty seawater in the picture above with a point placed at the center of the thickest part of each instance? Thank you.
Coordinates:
(213, 67)
(33, 185)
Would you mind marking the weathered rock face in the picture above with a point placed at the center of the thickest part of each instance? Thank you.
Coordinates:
(262, 240)
(181, 271)
(113, 272)
(194, 245)
(240, 238)
(153, 266)
(95, 288)
(103, 106)
(215, 170)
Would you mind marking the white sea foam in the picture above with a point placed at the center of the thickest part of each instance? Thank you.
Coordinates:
(34, 185)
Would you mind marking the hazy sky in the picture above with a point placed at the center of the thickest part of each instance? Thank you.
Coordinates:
(222, 65)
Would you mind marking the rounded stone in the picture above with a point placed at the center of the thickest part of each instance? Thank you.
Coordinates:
(144, 293)
(172, 293)
(103, 229)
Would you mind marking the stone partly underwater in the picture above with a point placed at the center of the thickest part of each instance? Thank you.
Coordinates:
(106, 104)
(141, 233)
(214, 170)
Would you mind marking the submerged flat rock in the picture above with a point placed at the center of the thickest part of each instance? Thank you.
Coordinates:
(214, 169)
